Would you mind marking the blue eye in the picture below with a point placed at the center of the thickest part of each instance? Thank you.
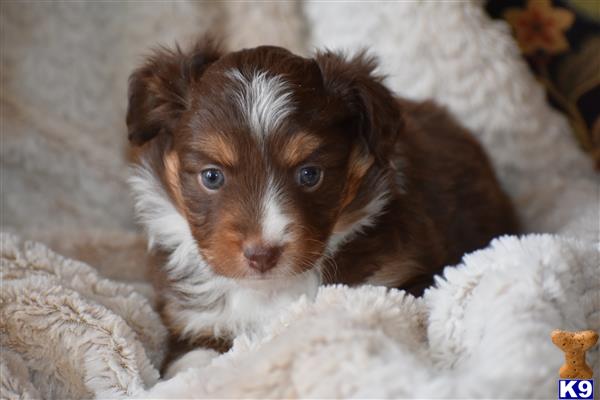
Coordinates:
(212, 178)
(309, 177)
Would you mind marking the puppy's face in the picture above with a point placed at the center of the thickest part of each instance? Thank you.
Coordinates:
(270, 157)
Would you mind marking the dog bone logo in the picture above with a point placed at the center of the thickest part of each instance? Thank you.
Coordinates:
(574, 344)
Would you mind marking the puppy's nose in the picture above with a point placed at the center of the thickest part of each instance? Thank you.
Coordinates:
(262, 257)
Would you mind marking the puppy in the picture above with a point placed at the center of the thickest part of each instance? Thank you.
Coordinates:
(261, 175)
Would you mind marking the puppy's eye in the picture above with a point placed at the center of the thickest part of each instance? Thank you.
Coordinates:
(310, 176)
(212, 178)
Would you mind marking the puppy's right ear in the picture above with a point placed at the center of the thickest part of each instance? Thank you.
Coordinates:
(159, 89)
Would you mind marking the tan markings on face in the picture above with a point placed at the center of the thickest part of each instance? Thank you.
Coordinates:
(223, 249)
(358, 167)
(172, 165)
(299, 147)
(219, 149)
(359, 164)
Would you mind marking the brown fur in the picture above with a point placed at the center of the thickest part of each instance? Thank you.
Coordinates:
(218, 148)
(444, 199)
(453, 205)
(298, 148)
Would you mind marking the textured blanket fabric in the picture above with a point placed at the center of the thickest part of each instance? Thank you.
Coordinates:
(484, 331)
(66, 333)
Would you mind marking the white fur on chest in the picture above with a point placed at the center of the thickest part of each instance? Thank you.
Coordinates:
(242, 308)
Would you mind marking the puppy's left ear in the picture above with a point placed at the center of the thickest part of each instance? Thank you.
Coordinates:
(376, 113)
(159, 89)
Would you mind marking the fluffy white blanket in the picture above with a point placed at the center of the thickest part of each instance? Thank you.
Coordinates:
(482, 331)
(68, 333)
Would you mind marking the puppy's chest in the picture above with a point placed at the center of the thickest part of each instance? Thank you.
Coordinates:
(234, 307)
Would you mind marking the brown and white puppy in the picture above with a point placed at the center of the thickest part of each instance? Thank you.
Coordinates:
(262, 174)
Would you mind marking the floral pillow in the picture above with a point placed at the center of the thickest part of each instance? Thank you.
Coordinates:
(561, 42)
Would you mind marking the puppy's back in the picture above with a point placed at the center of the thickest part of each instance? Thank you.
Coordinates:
(455, 178)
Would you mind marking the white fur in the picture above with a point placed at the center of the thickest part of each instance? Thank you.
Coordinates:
(166, 228)
(246, 307)
(275, 222)
(265, 101)
(214, 304)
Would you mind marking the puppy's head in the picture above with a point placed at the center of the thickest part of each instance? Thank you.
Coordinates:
(273, 159)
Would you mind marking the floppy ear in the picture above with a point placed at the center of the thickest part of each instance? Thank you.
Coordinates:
(159, 89)
(378, 116)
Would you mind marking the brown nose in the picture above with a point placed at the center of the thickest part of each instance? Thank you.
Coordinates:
(262, 257)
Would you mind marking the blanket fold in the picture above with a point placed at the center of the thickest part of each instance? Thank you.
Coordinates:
(66, 332)
(482, 332)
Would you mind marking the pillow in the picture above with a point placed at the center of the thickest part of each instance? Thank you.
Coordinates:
(561, 43)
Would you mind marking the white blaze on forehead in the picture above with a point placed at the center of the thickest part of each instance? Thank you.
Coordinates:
(274, 221)
(265, 100)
